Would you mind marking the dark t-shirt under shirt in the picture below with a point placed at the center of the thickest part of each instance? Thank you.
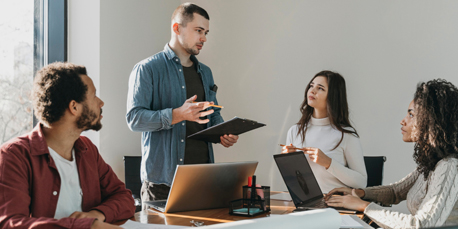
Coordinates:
(196, 151)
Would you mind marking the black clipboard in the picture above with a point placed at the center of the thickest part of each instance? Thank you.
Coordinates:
(235, 126)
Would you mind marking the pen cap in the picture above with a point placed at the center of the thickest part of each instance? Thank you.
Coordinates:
(249, 181)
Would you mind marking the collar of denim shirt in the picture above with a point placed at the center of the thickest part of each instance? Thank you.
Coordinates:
(171, 55)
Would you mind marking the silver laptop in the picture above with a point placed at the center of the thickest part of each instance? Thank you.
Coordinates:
(301, 182)
(205, 186)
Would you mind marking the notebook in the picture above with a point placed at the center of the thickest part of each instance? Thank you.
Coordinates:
(205, 186)
(301, 182)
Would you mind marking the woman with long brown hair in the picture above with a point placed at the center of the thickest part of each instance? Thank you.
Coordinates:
(431, 190)
(325, 134)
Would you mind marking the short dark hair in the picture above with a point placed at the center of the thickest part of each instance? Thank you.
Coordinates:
(54, 87)
(185, 13)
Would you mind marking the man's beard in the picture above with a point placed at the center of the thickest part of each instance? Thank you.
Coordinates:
(86, 119)
(192, 51)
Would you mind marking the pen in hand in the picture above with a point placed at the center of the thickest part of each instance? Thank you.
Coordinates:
(211, 105)
(295, 148)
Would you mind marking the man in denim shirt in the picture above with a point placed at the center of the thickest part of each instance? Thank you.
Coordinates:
(169, 98)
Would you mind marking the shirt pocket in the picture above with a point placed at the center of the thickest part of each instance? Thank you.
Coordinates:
(211, 96)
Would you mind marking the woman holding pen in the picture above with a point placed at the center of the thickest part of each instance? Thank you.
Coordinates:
(431, 190)
(325, 135)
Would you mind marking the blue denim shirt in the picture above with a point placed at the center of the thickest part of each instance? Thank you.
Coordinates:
(156, 86)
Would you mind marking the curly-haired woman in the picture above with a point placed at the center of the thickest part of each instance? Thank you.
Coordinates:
(431, 190)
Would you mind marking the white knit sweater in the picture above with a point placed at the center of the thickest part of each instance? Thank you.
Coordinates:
(347, 167)
(431, 203)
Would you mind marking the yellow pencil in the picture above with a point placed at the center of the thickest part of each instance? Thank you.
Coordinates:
(211, 105)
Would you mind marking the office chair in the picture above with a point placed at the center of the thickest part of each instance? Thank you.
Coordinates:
(374, 169)
(132, 178)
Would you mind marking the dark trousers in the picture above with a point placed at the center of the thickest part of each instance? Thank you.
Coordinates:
(151, 191)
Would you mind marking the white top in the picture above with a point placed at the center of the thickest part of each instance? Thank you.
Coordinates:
(347, 167)
(71, 195)
(432, 202)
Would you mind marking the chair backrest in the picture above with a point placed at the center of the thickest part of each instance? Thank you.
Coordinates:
(374, 169)
(132, 174)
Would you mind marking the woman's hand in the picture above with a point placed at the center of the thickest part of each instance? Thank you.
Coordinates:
(338, 191)
(290, 148)
(348, 202)
(317, 156)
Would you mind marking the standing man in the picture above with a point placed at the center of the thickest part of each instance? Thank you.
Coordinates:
(169, 94)
(53, 177)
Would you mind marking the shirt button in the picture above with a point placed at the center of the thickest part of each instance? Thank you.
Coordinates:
(179, 70)
(54, 193)
(181, 159)
(176, 59)
(182, 87)
(182, 140)
(182, 124)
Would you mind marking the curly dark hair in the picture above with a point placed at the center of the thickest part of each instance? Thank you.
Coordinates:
(54, 87)
(435, 130)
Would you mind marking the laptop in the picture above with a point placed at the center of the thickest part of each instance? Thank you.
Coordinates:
(205, 186)
(301, 182)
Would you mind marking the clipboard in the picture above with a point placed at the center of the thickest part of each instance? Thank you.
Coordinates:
(235, 126)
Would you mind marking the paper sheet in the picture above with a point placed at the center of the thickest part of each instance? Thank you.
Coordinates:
(316, 219)
(133, 224)
(349, 222)
(281, 196)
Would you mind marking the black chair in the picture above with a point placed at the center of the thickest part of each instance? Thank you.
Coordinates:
(374, 169)
(132, 178)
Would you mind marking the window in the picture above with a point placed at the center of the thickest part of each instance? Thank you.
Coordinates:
(33, 34)
(16, 68)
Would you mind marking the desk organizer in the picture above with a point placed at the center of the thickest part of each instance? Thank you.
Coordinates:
(251, 205)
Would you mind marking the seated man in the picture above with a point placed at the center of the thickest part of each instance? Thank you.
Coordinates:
(53, 177)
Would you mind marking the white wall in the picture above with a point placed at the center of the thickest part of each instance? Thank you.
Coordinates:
(264, 52)
(84, 43)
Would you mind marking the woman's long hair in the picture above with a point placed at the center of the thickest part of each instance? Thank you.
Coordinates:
(337, 106)
(435, 130)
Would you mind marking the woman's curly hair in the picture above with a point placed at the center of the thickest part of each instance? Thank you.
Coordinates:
(54, 87)
(435, 130)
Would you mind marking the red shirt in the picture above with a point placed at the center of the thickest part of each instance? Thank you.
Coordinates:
(30, 185)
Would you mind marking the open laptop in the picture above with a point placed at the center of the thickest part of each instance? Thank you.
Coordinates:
(205, 186)
(301, 182)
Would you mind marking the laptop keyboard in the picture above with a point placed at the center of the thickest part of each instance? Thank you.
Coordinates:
(319, 204)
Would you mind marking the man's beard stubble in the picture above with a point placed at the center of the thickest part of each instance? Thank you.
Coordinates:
(86, 119)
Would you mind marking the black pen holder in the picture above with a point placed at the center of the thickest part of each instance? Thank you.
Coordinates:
(251, 204)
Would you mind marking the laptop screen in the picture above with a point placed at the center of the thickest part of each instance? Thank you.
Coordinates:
(298, 177)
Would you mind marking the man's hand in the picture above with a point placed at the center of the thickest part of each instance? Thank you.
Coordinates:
(190, 111)
(91, 214)
(228, 140)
